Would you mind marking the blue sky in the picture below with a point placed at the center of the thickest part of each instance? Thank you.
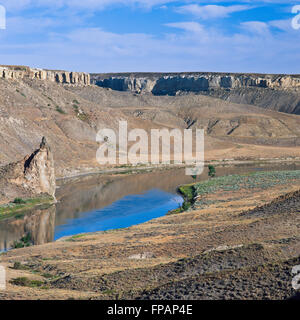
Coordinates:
(151, 35)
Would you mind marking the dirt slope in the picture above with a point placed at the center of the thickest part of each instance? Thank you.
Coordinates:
(70, 115)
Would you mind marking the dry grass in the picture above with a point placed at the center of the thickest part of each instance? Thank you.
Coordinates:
(82, 263)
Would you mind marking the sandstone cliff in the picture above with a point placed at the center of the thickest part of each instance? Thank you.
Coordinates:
(277, 92)
(171, 83)
(29, 177)
(23, 72)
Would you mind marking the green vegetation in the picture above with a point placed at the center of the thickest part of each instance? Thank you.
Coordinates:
(19, 201)
(19, 206)
(24, 242)
(20, 215)
(76, 237)
(79, 113)
(109, 292)
(255, 180)
(211, 171)
(19, 266)
(82, 117)
(48, 276)
(123, 166)
(188, 193)
(76, 101)
(60, 110)
(21, 93)
(25, 282)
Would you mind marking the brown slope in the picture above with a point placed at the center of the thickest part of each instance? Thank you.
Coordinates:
(70, 116)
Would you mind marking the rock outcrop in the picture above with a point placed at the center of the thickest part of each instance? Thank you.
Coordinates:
(172, 83)
(32, 176)
(64, 77)
(276, 92)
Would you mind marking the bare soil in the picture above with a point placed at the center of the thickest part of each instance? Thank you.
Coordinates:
(70, 116)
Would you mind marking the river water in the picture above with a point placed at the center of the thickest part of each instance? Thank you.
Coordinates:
(104, 202)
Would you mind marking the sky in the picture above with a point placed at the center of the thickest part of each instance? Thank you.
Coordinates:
(152, 35)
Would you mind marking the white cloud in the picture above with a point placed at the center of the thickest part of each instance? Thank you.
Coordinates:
(257, 27)
(284, 25)
(187, 26)
(211, 11)
(19, 5)
(192, 47)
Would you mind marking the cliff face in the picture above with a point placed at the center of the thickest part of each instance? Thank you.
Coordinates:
(160, 84)
(20, 72)
(31, 176)
(276, 92)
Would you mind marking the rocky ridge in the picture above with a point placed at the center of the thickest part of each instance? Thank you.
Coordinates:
(170, 83)
(276, 92)
(65, 77)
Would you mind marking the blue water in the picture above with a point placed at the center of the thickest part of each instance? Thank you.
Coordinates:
(128, 211)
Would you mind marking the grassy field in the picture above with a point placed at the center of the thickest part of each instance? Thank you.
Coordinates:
(194, 193)
(18, 206)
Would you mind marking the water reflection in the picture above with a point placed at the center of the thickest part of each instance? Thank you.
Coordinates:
(39, 223)
(128, 211)
(97, 192)
(126, 199)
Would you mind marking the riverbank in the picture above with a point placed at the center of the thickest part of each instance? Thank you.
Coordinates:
(196, 195)
(229, 235)
(128, 169)
(8, 210)
(20, 206)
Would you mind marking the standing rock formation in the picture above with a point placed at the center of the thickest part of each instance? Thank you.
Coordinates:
(39, 170)
(29, 177)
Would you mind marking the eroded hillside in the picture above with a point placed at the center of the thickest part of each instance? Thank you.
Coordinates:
(275, 92)
(70, 114)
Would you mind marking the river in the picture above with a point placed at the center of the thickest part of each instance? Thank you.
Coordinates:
(104, 202)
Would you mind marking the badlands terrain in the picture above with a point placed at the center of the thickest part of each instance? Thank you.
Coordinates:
(68, 111)
(239, 238)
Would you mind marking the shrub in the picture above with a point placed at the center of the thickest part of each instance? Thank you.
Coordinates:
(19, 201)
(185, 206)
(211, 171)
(24, 242)
(60, 110)
(19, 266)
(25, 282)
